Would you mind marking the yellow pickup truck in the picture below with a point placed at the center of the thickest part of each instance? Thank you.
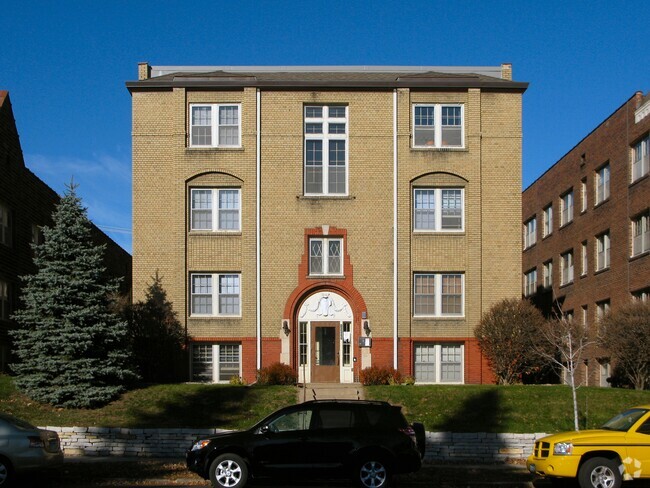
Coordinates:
(600, 458)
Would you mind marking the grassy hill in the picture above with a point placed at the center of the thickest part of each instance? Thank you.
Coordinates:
(458, 408)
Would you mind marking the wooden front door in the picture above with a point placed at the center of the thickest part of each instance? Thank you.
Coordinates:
(325, 357)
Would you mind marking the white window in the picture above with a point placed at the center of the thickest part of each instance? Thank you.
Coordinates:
(438, 209)
(326, 150)
(4, 300)
(215, 295)
(566, 267)
(215, 125)
(641, 159)
(548, 221)
(602, 308)
(583, 195)
(5, 226)
(603, 246)
(438, 363)
(642, 295)
(585, 315)
(584, 256)
(438, 295)
(206, 370)
(602, 184)
(566, 208)
(325, 256)
(438, 126)
(548, 274)
(215, 209)
(530, 233)
(641, 234)
(530, 282)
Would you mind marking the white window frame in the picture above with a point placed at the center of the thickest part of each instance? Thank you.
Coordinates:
(642, 295)
(437, 142)
(437, 295)
(326, 256)
(548, 274)
(437, 210)
(566, 208)
(438, 361)
(640, 159)
(603, 189)
(584, 259)
(215, 294)
(215, 209)
(583, 196)
(530, 282)
(548, 220)
(530, 232)
(215, 352)
(5, 225)
(325, 137)
(641, 234)
(566, 268)
(214, 124)
(602, 308)
(603, 251)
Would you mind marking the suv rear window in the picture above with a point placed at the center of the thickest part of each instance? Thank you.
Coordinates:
(388, 417)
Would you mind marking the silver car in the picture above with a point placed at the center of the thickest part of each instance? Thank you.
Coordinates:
(24, 447)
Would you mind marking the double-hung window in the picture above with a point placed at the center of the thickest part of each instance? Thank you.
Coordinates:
(584, 258)
(641, 234)
(215, 209)
(603, 246)
(212, 363)
(602, 184)
(530, 233)
(530, 282)
(438, 209)
(438, 295)
(5, 226)
(215, 125)
(566, 208)
(438, 363)
(326, 150)
(641, 158)
(325, 256)
(215, 294)
(566, 267)
(438, 125)
(548, 221)
(548, 274)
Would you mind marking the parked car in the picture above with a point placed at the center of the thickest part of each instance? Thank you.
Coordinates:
(24, 447)
(601, 458)
(368, 441)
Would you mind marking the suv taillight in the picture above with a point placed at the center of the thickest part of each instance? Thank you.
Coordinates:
(411, 433)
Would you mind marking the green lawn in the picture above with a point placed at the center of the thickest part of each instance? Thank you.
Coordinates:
(461, 408)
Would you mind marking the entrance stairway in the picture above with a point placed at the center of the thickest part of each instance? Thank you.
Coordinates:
(330, 391)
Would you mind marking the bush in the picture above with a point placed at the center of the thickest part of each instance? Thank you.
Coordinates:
(380, 375)
(277, 374)
(237, 381)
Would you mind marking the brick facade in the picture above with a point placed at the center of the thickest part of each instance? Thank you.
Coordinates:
(372, 218)
(612, 144)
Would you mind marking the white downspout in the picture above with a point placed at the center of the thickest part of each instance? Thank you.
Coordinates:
(258, 250)
(395, 337)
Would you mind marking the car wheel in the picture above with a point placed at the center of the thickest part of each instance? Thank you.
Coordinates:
(373, 473)
(600, 473)
(6, 472)
(228, 471)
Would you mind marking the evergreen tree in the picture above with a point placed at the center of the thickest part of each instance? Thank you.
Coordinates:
(72, 350)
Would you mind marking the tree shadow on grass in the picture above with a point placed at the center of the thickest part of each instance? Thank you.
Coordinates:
(484, 409)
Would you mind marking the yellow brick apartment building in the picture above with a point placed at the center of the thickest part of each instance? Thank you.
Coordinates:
(329, 218)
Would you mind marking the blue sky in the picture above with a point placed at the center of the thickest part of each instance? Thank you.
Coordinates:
(65, 64)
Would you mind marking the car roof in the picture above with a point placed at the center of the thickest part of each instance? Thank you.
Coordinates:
(347, 402)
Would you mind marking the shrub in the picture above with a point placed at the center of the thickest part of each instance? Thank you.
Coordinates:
(380, 375)
(277, 374)
(237, 381)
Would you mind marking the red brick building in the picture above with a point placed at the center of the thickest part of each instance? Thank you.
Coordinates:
(586, 225)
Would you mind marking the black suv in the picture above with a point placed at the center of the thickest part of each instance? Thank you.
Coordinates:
(368, 441)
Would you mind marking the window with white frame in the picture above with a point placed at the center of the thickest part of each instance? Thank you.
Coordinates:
(530, 282)
(325, 256)
(215, 363)
(584, 259)
(568, 316)
(602, 184)
(326, 150)
(585, 315)
(603, 246)
(566, 208)
(215, 294)
(641, 234)
(4, 300)
(566, 267)
(548, 221)
(438, 209)
(215, 209)
(5, 226)
(602, 308)
(438, 295)
(583, 195)
(438, 363)
(438, 125)
(215, 125)
(642, 295)
(530, 232)
(548, 273)
(641, 158)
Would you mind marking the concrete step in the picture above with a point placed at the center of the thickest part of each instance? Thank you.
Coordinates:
(330, 391)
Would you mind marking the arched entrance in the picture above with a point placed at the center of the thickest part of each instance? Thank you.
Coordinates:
(325, 338)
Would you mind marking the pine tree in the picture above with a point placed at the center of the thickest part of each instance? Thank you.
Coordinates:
(72, 350)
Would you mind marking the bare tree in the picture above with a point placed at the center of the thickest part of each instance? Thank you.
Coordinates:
(506, 334)
(625, 334)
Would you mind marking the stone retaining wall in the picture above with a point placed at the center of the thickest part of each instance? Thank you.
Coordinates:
(441, 446)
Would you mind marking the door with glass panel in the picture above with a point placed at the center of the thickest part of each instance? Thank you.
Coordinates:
(325, 355)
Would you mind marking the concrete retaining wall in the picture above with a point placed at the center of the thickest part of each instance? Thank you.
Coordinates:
(441, 446)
